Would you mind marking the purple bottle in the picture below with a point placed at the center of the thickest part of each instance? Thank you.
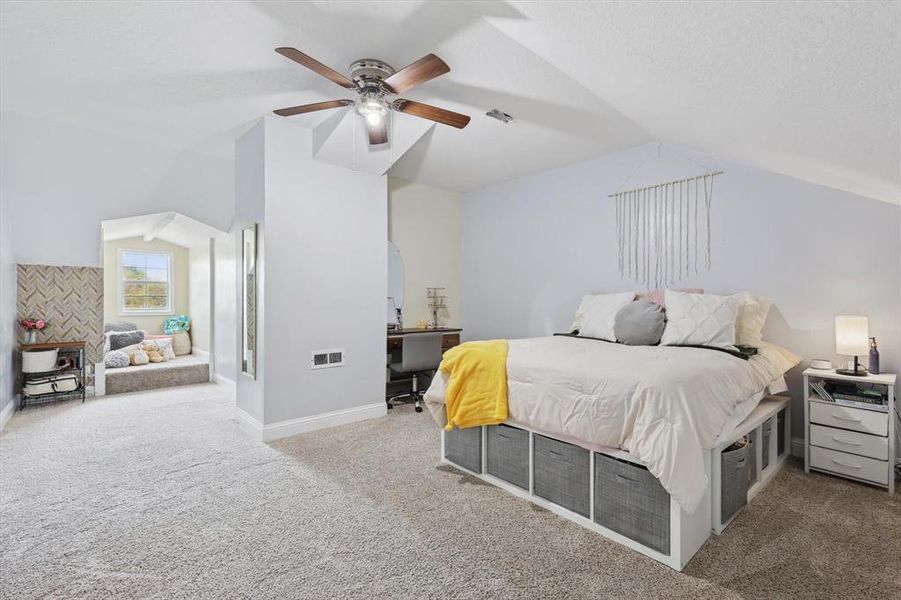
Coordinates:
(874, 358)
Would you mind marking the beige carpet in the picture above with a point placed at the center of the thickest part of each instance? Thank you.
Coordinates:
(158, 495)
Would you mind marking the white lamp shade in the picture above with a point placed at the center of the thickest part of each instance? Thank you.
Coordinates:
(852, 335)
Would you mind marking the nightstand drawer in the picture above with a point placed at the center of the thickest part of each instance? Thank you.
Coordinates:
(864, 444)
(845, 417)
(860, 467)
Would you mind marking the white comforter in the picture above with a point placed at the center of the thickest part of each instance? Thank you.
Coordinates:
(663, 405)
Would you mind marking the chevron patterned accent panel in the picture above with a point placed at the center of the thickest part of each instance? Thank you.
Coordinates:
(70, 299)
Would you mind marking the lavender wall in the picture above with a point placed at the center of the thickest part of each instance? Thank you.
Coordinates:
(533, 246)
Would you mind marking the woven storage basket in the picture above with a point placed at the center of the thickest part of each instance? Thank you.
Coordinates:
(632, 502)
(463, 447)
(734, 481)
(562, 474)
(508, 454)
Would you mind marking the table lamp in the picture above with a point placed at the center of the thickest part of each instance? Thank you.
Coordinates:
(852, 338)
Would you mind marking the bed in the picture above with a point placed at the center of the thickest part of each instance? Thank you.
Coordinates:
(663, 407)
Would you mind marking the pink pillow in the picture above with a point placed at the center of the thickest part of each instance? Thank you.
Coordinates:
(657, 296)
(154, 336)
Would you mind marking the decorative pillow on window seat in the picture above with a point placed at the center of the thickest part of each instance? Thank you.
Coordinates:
(176, 324)
(118, 340)
(164, 343)
(120, 326)
(116, 359)
(181, 343)
(153, 352)
(109, 332)
(139, 358)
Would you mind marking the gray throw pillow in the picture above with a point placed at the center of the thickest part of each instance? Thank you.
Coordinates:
(120, 326)
(115, 359)
(639, 323)
(126, 338)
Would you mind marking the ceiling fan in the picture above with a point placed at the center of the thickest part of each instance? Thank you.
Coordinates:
(375, 82)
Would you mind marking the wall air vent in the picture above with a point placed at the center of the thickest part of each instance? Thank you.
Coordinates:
(499, 115)
(323, 359)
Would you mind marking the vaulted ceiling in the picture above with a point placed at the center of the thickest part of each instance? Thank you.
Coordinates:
(811, 90)
(169, 227)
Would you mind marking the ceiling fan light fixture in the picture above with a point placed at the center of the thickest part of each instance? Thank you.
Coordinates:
(373, 109)
(372, 80)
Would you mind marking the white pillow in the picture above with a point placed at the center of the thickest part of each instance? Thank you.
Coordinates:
(700, 320)
(597, 314)
(131, 349)
(752, 312)
(165, 347)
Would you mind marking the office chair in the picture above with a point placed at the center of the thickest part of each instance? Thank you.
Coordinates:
(421, 353)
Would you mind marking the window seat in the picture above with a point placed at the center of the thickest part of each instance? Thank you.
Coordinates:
(183, 370)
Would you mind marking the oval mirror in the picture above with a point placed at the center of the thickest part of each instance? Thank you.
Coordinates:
(395, 275)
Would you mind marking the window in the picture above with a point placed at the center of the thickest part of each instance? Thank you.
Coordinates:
(145, 282)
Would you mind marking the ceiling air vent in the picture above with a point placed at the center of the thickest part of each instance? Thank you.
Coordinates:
(323, 359)
(499, 115)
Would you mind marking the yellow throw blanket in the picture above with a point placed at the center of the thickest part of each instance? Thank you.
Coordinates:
(477, 387)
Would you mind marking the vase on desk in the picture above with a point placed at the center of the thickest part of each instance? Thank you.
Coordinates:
(31, 336)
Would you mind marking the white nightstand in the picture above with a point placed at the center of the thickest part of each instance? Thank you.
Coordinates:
(855, 443)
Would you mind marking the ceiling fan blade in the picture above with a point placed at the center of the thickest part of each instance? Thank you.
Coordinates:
(314, 65)
(426, 68)
(432, 113)
(378, 132)
(305, 108)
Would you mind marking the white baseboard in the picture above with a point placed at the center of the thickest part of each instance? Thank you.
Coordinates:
(8, 411)
(274, 431)
(247, 423)
(223, 380)
(798, 447)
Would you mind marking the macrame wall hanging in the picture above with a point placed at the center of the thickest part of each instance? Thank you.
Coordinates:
(663, 230)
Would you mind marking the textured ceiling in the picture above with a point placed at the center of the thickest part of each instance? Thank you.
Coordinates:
(808, 89)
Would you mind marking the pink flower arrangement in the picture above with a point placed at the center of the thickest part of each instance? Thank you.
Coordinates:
(36, 324)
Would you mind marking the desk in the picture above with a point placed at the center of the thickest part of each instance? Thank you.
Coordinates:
(396, 337)
(395, 345)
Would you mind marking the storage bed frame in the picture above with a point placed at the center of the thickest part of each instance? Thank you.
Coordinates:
(613, 494)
